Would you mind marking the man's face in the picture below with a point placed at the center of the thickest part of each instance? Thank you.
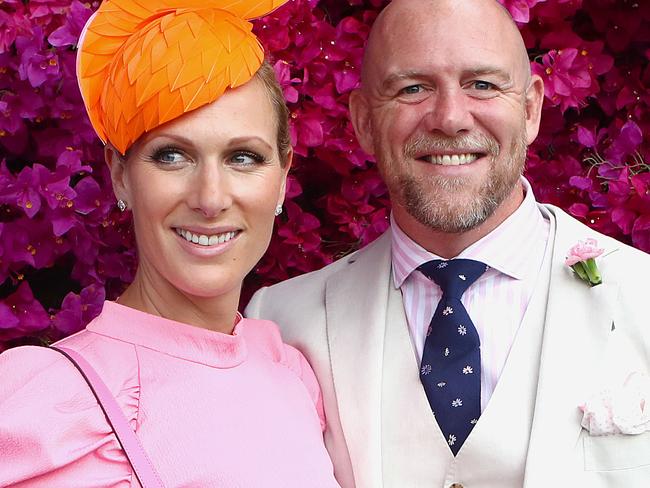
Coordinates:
(446, 111)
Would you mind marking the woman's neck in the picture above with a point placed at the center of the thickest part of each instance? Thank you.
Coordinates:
(213, 313)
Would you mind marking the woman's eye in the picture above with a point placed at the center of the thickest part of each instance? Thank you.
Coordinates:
(169, 156)
(245, 158)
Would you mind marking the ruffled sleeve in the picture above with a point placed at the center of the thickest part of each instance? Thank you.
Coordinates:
(52, 432)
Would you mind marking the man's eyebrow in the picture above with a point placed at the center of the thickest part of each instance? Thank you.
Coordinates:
(490, 71)
(402, 75)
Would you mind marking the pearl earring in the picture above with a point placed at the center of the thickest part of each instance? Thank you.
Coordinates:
(278, 210)
(121, 204)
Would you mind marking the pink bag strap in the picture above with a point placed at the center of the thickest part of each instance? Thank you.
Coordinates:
(135, 453)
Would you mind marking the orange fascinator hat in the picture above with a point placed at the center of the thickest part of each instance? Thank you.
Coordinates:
(142, 63)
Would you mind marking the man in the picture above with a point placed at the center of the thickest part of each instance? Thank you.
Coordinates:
(448, 106)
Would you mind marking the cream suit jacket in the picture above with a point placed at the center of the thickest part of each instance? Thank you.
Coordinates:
(338, 317)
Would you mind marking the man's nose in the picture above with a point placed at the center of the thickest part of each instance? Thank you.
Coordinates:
(211, 190)
(449, 112)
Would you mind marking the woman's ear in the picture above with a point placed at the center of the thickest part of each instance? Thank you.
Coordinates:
(285, 173)
(116, 164)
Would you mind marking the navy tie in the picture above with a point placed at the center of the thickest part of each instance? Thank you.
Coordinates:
(451, 361)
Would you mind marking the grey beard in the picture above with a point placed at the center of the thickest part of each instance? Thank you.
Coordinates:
(435, 203)
(441, 218)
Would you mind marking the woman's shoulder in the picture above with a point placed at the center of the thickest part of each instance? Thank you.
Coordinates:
(31, 376)
(43, 399)
(36, 367)
(265, 335)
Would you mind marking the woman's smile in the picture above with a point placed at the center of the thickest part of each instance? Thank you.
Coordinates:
(206, 239)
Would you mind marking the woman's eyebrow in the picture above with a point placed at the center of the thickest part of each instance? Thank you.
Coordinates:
(236, 141)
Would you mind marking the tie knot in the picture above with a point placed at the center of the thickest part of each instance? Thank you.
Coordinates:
(453, 276)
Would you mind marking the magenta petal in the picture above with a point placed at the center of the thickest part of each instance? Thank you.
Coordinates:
(581, 182)
(579, 210)
(586, 137)
(7, 319)
(624, 218)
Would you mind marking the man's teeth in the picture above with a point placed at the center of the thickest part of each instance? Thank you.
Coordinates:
(452, 159)
(204, 240)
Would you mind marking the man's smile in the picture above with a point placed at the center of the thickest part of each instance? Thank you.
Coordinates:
(451, 159)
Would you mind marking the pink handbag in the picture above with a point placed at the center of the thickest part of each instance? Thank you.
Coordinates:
(135, 453)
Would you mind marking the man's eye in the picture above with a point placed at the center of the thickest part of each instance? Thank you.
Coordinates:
(245, 158)
(483, 85)
(411, 90)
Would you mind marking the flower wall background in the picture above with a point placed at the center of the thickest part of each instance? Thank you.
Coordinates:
(64, 247)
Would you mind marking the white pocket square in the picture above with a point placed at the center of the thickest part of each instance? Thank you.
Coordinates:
(620, 409)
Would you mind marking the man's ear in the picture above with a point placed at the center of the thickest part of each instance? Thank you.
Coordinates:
(534, 101)
(118, 173)
(360, 117)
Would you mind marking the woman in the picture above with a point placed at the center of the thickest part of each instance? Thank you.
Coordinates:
(198, 147)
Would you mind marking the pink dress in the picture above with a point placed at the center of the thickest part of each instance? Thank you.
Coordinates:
(211, 409)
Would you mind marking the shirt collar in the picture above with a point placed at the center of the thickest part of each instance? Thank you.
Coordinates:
(507, 248)
(172, 338)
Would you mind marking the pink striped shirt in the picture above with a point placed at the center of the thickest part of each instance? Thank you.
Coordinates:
(497, 301)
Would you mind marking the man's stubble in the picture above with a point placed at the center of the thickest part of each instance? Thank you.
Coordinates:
(451, 204)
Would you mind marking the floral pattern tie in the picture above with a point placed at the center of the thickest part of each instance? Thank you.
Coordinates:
(451, 362)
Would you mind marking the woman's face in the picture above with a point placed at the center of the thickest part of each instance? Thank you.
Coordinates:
(203, 189)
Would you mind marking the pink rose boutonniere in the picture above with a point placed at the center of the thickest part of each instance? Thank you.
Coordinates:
(582, 260)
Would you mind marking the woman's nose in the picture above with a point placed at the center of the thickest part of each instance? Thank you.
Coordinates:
(211, 191)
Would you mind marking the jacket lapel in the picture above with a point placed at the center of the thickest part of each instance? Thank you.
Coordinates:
(356, 299)
(578, 324)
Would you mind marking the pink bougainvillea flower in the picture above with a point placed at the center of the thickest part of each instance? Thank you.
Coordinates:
(68, 34)
(641, 232)
(300, 228)
(12, 25)
(8, 321)
(570, 74)
(35, 67)
(78, 309)
(30, 314)
(283, 74)
(624, 218)
(520, 9)
(307, 129)
(625, 143)
(35, 184)
(14, 247)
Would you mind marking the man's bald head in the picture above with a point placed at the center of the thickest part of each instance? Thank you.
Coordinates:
(401, 16)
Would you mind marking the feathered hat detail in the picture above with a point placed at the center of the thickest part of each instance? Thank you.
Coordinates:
(142, 63)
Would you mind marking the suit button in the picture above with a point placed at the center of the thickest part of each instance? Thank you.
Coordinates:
(456, 485)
